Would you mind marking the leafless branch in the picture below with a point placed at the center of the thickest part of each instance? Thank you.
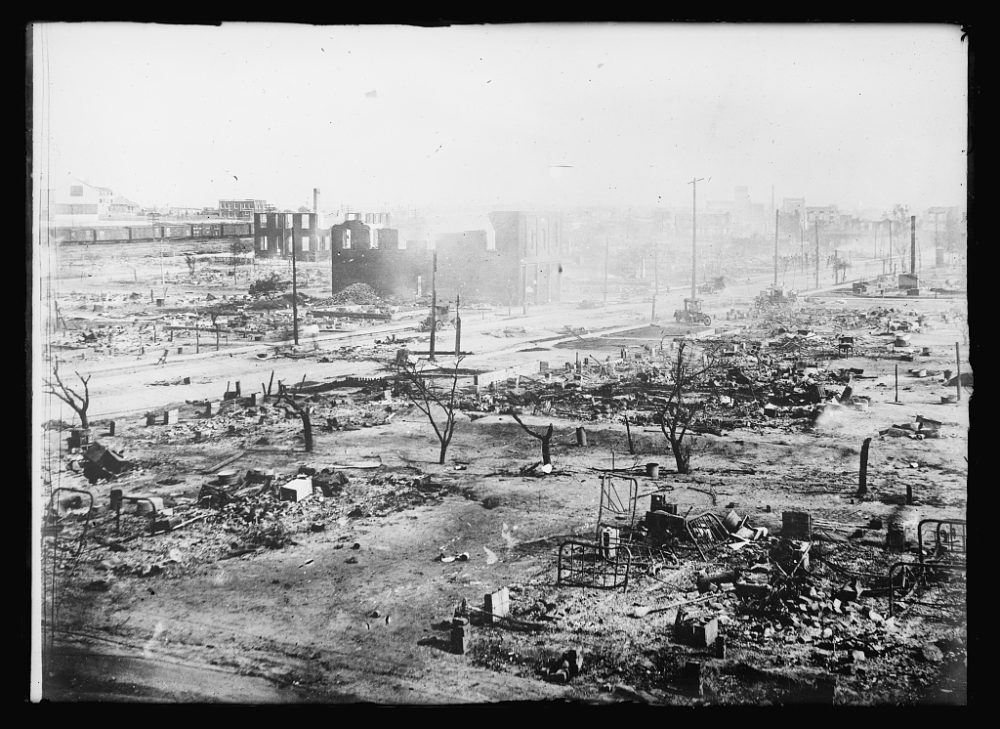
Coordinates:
(425, 395)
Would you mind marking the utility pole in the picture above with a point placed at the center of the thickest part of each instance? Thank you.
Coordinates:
(891, 267)
(153, 218)
(775, 240)
(913, 244)
(656, 281)
(524, 288)
(802, 243)
(458, 326)
(295, 295)
(607, 253)
(817, 253)
(434, 300)
(938, 255)
(694, 236)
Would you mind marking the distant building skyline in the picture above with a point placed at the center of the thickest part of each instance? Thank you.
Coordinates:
(507, 117)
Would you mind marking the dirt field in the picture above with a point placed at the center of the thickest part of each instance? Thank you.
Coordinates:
(344, 596)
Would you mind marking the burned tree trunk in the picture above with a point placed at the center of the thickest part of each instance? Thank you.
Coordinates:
(682, 455)
(302, 411)
(679, 415)
(545, 438)
(79, 403)
(307, 431)
(546, 446)
(863, 474)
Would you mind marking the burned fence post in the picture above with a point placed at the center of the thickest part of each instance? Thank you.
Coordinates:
(863, 475)
(897, 383)
(581, 436)
(461, 635)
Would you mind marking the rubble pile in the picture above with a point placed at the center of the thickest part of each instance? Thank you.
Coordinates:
(146, 324)
(233, 516)
(745, 389)
(805, 606)
(357, 294)
(918, 429)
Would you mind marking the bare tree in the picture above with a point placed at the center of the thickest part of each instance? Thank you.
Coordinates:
(79, 403)
(430, 397)
(545, 437)
(680, 410)
(304, 411)
(236, 251)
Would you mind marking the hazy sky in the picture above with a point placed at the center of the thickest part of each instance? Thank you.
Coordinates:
(506, 115)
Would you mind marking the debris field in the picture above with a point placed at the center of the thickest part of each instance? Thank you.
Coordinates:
(770, 511)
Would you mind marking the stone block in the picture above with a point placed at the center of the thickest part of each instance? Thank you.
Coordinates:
(608, 538)
(497, 604)
(170, 417)
(796, 525)
(699, 634)
(896, 537)
(297, 489)
(461, 635)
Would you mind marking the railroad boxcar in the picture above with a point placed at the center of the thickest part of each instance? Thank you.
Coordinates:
(143, 232)
(111, 234)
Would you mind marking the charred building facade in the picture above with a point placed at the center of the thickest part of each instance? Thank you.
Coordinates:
(275, 233)
(531, 248)
(525, 265)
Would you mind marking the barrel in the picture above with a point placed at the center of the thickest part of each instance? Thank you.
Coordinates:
(653, 470)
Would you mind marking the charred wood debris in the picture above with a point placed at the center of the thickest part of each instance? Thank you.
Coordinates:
(802, 614)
